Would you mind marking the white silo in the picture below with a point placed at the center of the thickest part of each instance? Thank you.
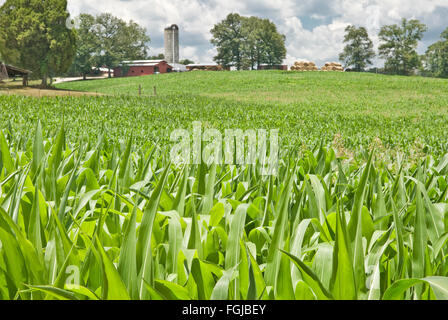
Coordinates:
(172, 44)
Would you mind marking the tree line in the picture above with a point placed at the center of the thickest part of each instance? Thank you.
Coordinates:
(246, 42)
(398, 47)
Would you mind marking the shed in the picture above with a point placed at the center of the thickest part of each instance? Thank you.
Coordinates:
(10, 71)
(141, 68)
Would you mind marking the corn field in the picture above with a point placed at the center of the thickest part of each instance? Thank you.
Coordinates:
(99, 220)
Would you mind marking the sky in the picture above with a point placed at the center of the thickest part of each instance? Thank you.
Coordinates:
(314, 29)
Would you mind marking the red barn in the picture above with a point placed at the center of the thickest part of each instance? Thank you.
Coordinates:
(141, 68)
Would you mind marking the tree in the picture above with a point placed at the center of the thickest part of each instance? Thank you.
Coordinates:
(399, 46)
(253, 44)
(186, 62)
(34, 35)
(119, 41)
(436, 57)
(134, 41)
(2, 48)
(228, 38)
(272, 50)
(244, 42)
(87, 46)
(160, 56)
(358, 52)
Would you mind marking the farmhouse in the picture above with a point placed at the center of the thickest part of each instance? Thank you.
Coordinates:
(141, 68)
(8, 71)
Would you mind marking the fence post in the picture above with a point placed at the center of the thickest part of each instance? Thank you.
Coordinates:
(139, 90)
(155, 91)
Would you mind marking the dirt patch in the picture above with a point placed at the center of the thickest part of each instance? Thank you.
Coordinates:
(36, 92)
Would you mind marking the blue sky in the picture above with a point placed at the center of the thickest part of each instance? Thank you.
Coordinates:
(314, 29)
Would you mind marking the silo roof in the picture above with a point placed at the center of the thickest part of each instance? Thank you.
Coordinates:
(173, 26)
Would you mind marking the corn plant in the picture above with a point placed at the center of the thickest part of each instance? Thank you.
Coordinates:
(91, 219)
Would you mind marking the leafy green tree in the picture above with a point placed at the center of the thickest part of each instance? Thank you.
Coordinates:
(399, 46)
(273, 48)
(436, 57)
(253, 44)
(228, 37)
(2, 48)
(87, 46)
(134, 41)
(186, 62)
(245, 42)
(34, 35)
(358, 51)
(119, 41)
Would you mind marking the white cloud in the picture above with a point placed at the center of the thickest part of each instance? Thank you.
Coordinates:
(314, 28)
(321, 44)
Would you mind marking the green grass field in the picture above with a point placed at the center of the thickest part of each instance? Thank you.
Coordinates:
(91, 207)
(359, 91)
(403, 114)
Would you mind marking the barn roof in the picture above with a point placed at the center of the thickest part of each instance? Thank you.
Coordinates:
(202, 65)
(15, 71)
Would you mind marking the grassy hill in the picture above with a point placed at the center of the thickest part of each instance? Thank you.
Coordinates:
(360, 91)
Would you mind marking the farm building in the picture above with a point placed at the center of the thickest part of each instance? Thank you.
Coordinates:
(272, 67)
(141, 68)
(8, 71)
(177, 67)
(101, 71)
(204, 67)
